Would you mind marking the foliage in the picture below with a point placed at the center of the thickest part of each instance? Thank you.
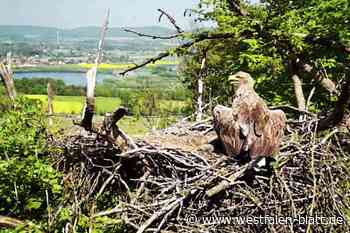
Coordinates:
(266, 42)
(39, 86)
(26, 174)
(75, 104)
(162, 80)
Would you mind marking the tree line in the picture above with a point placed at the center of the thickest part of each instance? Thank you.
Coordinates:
(108, 88)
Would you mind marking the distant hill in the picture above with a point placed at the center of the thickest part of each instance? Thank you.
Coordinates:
(24, 33)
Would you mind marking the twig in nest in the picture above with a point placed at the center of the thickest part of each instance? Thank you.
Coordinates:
(115, 210)
(160, 213)
(110, 131)
(227, 184)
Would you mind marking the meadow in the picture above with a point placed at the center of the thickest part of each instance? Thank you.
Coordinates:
(83, 67)
(74, 104)
(154, 101)
(135, 125)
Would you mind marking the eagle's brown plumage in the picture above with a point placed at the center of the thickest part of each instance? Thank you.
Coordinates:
(249, 128)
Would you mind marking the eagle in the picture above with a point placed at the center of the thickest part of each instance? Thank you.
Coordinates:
(249, 129)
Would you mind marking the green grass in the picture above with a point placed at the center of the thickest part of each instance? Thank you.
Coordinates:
(131, 125)
(83, 67)
(75, 104)
(51, 68)
(134, 126)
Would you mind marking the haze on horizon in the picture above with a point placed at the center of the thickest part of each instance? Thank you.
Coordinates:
(80, 13)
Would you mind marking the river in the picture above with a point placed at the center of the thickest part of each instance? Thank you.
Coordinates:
(70, 78)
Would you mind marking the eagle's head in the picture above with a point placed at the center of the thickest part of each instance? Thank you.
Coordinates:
(241, 78)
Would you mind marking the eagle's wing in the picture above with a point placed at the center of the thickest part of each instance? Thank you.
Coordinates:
(278, 119)
(269, 142)
(260, 114)
(226, 128)
(243, 119)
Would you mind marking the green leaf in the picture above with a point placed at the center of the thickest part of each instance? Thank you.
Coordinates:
(33, 204)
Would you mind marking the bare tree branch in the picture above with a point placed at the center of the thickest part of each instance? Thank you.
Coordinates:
(298, 89)
(50, 97)
(328, 42)
(201, 37)
(319, 76)
(298, 85)
(153, 36)
(91, 80)
(171, 19)
(7, 77)
(339, 111)
(9, 222)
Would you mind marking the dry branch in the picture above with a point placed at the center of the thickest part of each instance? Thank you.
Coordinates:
(200, 89)
(91, 80)
(153, 36)
(176, 183)
(198, 38)
(298, 89)
(7, 78)
(171, 19)
(320, 77)
(339, 112)
(227, 183)
(9, 222)
(328, 43)
(50, 97)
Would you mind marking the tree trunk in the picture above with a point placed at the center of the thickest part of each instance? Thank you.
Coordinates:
(50, 97)
(200, 92)
(298, 89)
(338, 114)
(318, 76)
(91, 81)
(7, 78)
(90, 99)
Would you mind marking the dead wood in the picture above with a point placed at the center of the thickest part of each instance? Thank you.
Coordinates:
(298, 89)
(91, 80)
(50, 97)
(321, 78)
(9, 222)
(200, 89)
(171, 19)
(172, 184)
(339, 112)
(7, 78)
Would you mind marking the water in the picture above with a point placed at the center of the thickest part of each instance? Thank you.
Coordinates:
(70, 78)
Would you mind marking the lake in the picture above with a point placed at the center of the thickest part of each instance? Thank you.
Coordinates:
(70, 78)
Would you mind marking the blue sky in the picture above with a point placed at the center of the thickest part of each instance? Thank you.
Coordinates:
(73, 13)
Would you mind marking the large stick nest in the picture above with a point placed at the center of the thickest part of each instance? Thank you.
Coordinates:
(155, 188)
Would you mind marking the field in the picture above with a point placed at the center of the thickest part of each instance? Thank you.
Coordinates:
(123, 66)
(73, 105)
(83, 67)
